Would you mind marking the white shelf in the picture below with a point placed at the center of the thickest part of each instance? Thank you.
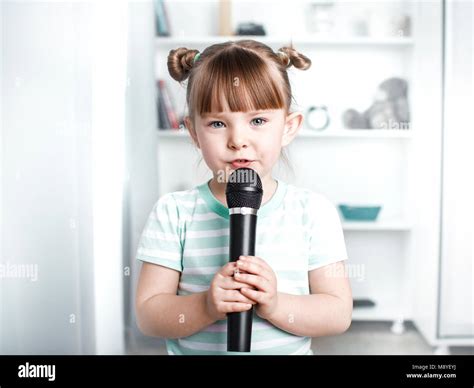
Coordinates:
(384, 310)
(358, 133)
(381, 225)
(173, 133)
(329, 133)
(283, 40)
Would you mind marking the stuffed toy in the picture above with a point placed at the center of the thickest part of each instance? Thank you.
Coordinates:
(390, 109)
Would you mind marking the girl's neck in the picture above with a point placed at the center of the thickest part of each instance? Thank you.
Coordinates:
(268, 183)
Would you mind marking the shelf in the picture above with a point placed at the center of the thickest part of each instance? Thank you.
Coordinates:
(283, 40)
(384, 310)
(329, 133)
(173, 133)
(382, 225)
(358, 133)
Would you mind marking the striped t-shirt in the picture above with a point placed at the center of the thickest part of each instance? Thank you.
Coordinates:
(297, 231)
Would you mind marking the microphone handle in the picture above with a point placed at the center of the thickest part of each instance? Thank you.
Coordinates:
(242, 242)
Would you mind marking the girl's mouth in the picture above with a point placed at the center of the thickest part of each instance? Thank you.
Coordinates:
(239, 163)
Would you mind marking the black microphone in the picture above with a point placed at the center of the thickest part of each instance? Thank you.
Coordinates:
(244, 195)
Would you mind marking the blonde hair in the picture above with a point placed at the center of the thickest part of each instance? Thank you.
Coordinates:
(246, 74)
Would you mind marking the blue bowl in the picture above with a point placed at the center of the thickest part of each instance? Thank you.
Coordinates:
(360, 213)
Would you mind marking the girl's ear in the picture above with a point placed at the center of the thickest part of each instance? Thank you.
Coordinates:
(192, 131)
(293, 124)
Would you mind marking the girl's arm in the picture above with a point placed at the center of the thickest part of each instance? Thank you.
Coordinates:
(327, 311)
(160, 312)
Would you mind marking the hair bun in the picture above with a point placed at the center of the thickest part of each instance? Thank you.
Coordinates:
(289, 56)
(180, 62)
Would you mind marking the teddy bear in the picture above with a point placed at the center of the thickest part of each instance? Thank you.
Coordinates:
(390, 109)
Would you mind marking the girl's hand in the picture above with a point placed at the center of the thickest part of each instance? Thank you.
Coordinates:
(261, 276)
(224, 296)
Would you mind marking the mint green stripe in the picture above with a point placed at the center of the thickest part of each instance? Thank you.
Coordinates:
(220, 241)
(213, 224)
(283, 349)
(323, 260)
(207, 242)
(223, 258)
(200, 280)
(220, 223)
(208, 338)
(178, 350)
(165, 245)
(199, 225)
(166, 224)
(164, 262)
(205, 261)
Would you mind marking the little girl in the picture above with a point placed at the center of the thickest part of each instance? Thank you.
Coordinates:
(239, 99)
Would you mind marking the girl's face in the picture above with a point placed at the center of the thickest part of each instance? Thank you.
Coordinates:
(256, 137)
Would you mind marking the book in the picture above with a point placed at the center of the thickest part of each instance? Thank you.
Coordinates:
(161, 20)
(168, 104)
(363, 303)
(163, 122)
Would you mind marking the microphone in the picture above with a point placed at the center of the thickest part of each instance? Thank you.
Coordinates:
(244, 196)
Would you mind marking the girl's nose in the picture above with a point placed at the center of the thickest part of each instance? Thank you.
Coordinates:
(237, 141)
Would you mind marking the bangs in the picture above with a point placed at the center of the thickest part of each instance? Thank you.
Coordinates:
(239, 80)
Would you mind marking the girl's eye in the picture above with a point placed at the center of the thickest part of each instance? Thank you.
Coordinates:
(212, 124)
(258, 121)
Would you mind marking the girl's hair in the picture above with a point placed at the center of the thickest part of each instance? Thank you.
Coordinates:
(246, 74)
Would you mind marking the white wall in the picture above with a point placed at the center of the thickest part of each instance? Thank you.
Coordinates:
(62, 158)
(1, 170)
(141, 188)
(46, 211)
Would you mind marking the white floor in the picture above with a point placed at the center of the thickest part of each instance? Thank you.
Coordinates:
(366, 338)
(362, 338)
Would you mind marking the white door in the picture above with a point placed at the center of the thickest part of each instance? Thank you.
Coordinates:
(456, 318)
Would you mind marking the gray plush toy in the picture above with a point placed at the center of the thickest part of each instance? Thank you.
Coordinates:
(390, 109)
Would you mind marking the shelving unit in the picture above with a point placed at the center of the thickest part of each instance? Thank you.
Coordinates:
(380, 225)
(403, 42)
(307, 133)
(347, 166)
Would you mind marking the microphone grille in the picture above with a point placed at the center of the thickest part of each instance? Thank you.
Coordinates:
(244, 189)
